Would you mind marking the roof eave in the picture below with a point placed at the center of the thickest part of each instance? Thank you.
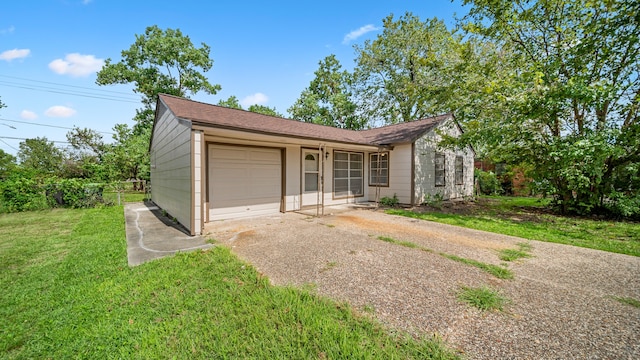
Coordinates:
(206, 125)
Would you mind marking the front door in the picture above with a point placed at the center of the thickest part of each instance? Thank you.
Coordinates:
(310, 177)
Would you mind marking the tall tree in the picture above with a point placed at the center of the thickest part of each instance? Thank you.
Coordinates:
(160, 61)
(7, 164)
(85, 157)
(41, 156)
(231, 102)
(87, 141)
(575, 107)
(265, 110)
(129, 155)
(328, 99)
(399, 76)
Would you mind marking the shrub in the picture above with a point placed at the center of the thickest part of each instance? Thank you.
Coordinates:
(623, 206)
(391, 202)
(433, 200)
(74, 193)
(22, 194)
(488, 182)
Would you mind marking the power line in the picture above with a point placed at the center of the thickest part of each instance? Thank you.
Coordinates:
(72, 86)
(59, 88)
(53, 126)
(17, 138)
(9, 145)
(70, 93)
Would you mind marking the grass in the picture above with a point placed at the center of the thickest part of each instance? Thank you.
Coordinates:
(483, 298)
(523, 251)
(495, 270)
(526, 218)
(628, 300)
(67, 292)
(125, 197)
(402, 243)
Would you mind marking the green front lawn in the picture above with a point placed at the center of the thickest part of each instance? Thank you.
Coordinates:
(125, 197)
(67, 292)
(527, 218)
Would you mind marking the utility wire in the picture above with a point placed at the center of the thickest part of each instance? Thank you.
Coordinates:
(9, 145)
(59, 88)
(53, 126)
(72, 86)
(71, 93)
(17, 138)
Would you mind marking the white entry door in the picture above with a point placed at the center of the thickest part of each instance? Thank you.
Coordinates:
(310, 177)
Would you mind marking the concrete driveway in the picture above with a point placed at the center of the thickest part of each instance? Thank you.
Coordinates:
(151, 235)
(561, 298)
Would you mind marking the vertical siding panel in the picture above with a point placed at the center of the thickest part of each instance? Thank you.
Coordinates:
(197, 182)
(171, 167)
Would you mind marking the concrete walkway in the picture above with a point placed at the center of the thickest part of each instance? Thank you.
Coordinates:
(150, 235)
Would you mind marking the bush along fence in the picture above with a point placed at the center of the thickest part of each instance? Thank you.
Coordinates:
(26, 194)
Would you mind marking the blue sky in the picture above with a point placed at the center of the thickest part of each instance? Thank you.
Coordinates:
(264, 52)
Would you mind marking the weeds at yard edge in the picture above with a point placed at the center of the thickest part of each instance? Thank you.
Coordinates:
(523, 251)
(483, 298)
(627, 300)
(495, 270)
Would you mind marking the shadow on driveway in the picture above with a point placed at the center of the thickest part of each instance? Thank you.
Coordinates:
(151, 235)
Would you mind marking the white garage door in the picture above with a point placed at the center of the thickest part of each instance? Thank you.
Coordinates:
(244, 181)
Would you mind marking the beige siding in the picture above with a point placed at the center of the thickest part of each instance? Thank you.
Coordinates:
(425, 150)
(399, 175)
(198, 186)
(292, 188)
(171, 168)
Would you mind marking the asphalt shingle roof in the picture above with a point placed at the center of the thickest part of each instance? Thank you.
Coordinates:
(203, 114)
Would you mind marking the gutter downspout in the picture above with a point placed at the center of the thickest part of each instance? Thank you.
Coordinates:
(320, 185)
(378, 182)
(322, 158)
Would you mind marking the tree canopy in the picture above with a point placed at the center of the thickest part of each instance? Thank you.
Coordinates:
(7, 163)
(573, 101)
(402, 75)
(233, 103)
(328, 99)
(41, 156)
(160, 61)
(264, 110)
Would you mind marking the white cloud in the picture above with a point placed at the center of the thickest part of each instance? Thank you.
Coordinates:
(8, 30)
(76, 65)
(357, 33)
(255, 99)
(86, 2)
(14, 54)
(59, 111)
(28, 115)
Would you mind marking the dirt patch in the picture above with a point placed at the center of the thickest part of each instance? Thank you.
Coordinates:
(387, 228)
(242, 237)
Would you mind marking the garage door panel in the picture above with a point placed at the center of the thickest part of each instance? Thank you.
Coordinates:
(265, 157)
(244, 181)
(230, 154)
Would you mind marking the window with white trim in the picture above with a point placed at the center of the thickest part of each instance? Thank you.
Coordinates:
(379, 169)
(459, 170)
(347, 174)
(439, 169)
